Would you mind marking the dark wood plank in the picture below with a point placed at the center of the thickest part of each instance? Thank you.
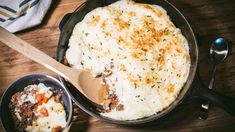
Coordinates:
(209, 19)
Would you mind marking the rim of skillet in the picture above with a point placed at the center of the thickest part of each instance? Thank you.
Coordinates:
(87, 107)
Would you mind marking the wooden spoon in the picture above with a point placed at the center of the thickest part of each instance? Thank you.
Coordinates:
(82, 80)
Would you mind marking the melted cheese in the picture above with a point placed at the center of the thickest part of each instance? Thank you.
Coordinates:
(148, 56)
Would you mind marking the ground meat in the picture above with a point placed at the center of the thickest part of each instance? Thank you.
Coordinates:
(25, 111)
(110, 102)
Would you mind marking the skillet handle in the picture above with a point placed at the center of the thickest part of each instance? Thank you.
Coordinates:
(222, 101)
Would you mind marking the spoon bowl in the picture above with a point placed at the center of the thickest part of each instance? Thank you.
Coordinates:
(219, 50)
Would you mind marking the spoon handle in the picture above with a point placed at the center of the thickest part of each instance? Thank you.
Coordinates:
(203, 114)
(212, 77)
(33, 53)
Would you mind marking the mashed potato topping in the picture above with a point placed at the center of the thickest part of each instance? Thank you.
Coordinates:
(146, 56)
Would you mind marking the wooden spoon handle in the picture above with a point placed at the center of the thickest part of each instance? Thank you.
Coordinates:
(31, 52)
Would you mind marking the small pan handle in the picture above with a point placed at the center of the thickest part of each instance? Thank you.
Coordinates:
(222, 101)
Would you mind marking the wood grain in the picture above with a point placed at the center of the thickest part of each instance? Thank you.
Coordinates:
(208, 18)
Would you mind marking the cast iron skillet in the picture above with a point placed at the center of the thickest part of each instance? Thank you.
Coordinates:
(199, 90)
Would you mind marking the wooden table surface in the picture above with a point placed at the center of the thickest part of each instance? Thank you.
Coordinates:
(208, 18)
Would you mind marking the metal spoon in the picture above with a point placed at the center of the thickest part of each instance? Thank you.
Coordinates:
(218, 53)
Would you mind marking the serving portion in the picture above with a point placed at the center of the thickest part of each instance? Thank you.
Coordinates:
(142, 57)
(38, 108)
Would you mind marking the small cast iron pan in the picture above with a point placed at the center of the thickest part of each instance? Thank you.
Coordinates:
(192, 88)
(20, 84)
